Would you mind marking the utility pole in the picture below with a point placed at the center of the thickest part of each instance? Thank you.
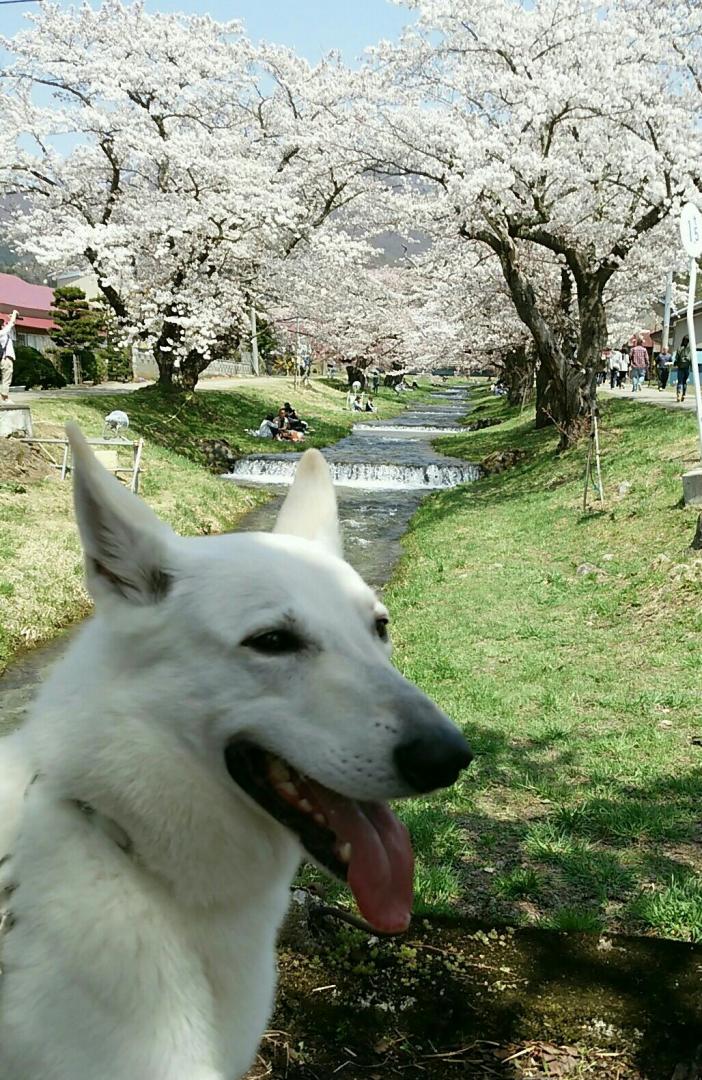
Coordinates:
(666, 311)
(254, 341)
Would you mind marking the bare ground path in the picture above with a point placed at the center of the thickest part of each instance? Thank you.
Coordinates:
(651, 395)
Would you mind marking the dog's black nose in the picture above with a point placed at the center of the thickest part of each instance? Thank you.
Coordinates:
(432, 760)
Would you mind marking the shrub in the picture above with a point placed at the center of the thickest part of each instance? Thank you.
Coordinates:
(33, 369)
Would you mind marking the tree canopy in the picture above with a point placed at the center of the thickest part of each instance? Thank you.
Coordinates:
(527, 160)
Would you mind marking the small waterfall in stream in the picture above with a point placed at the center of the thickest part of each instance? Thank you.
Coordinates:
(359, 474)
(410, 429)
(392, 456)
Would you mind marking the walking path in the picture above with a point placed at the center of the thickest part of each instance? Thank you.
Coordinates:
(209, 382)
(651, 395)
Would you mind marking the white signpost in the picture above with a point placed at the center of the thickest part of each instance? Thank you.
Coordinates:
(691, 236)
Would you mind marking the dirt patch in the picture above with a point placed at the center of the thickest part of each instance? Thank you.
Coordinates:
(462, 1000)
(20, 464)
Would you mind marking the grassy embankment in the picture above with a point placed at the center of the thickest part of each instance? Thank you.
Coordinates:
(581, 693)
(41, 586)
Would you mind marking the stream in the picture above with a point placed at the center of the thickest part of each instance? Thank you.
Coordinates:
(382, 471)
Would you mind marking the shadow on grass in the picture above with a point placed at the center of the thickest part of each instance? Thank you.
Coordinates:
(598, 851)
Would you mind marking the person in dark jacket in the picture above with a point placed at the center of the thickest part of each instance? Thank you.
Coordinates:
(683, 362)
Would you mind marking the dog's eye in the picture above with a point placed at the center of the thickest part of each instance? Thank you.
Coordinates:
(274, 642)
(381, 627)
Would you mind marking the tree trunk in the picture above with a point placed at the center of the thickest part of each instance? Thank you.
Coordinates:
(564, 399)
(164, 363)
(191, 368)
(185, 377)
(356, 374)
(544, 398)
(567, 381)
(556, 401)
(519, 366)
(580, 389)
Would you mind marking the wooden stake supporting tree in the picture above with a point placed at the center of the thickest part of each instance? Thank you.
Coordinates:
(593, 451)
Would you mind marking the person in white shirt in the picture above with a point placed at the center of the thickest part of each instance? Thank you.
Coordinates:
(614, 361)
(268, 428)
(7, 356)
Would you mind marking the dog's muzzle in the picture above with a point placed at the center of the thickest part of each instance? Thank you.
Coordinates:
(432, 752)
(433, 760)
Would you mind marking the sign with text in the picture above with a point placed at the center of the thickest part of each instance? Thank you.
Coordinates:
(691, 230)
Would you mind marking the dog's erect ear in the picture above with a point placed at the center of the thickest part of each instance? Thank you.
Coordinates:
(310, 508)
(125, 544)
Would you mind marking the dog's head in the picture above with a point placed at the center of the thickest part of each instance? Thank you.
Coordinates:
(269, 658)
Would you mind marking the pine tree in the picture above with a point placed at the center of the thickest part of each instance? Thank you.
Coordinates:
(79, 331)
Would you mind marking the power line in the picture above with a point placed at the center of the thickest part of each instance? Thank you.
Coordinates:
(20, 1)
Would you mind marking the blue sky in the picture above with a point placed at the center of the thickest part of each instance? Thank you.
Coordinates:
(311, 27)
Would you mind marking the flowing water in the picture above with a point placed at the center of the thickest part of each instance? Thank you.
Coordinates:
(382, 473)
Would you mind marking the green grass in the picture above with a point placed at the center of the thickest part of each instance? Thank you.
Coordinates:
(181, 423)
(41, 576)
(673, 910)
(523, 883)
(573, 920)
(580, 694)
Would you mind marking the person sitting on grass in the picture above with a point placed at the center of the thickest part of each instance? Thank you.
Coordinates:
(294, 421)
(357, 404)
(268, 428)
(285, 432)
(370, 407)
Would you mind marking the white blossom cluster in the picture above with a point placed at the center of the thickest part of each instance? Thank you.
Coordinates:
(532, 156)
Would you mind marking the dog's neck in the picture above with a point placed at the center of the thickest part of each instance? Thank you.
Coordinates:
(109, 745)
(181, 826)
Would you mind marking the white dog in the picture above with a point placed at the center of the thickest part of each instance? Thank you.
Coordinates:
(230, 708)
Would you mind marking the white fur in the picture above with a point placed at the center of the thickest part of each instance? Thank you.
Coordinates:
(143, 944)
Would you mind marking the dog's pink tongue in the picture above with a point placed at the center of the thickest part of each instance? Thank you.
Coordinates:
(382, 865)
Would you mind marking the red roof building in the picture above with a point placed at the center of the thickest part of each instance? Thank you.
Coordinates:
(33, 303)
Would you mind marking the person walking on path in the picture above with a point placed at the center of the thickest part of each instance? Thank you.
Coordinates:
(623, 364)
(7, 356)
(683, 362)
(614, 363)
(665, 362)
(639, 365)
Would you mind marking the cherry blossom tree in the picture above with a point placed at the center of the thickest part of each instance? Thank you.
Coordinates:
(540, 128)
(362, 312)
(176, 159)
